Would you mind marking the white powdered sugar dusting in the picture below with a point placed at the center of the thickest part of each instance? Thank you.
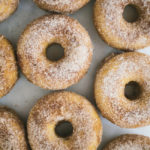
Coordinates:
(69, 5)
(138, 31)
(56, 29)
(129, 142)
(9, 5)
(58, 107)
(11, 135)
(58, 2)
(7, 61)
(124, 69)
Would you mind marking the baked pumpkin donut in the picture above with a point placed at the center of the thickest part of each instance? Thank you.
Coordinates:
(8, 68)
(129, 142)
(61, 6)
(7, 7)
(45, 31)
(59, 107)
(116, 31)
(112, 78)
(12, 134)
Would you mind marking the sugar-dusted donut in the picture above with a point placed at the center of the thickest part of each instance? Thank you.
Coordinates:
(8, 68)
(56, 108)
(116, 31)
(61, 6)
(45, 31)
(12, 134)
(7, 7)
(129, 142)
(111, 80)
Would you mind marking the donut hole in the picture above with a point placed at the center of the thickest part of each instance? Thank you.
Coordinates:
(54, 52)
(64, 129)
(131, 13)
(132, 90)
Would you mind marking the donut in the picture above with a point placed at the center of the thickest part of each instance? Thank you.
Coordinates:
(12, 134)
(45, 31)
(129, 142)
(56, 108)
(113, 76)
(8, 68)
(116, 31)
(7, 7)
(61, 6)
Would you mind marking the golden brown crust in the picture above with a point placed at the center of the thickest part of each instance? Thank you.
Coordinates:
(115, 31)
(8, 67)
(129, 141)
(54, 29)
(12, 133)
(7, 8)
(109, 90)
(61, 6)
(59, 106)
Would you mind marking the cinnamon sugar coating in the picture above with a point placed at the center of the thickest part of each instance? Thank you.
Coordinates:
(129, 142)
(116, 31)
(7, 7)
(57, 107)
(12, 134)
(61, 6)
(8, 68)
(71, 36)
(110, 83)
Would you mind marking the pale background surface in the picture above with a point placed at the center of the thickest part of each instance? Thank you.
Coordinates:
(24, 95)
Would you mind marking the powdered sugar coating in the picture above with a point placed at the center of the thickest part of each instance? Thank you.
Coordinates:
(109, 90)
(7, 7)
(12, 136)
(8, 68)
(129, 142)
(56, 107)
(111, 24)
(60, 2)
(63, 6)
(55, 29)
